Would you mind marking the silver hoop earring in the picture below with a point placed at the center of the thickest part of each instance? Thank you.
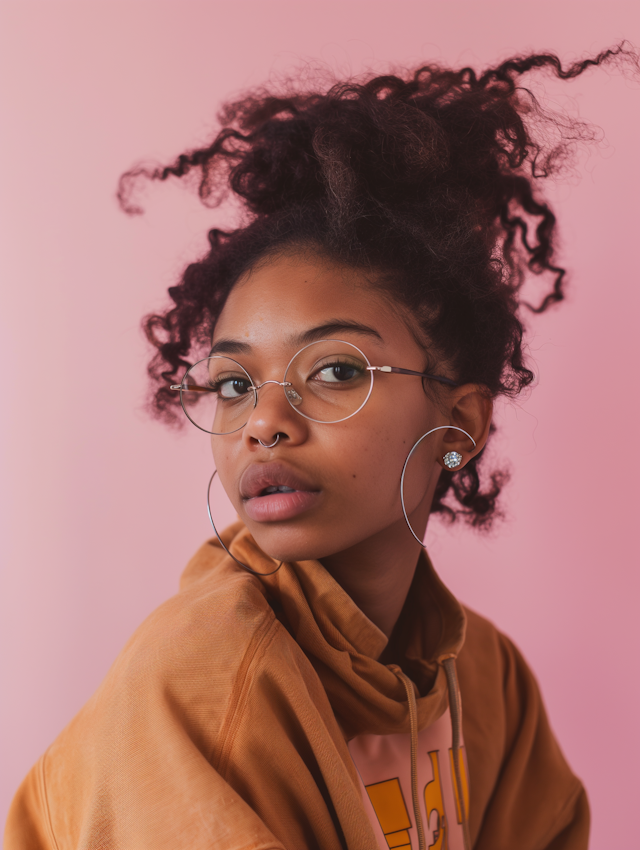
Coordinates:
(265, 446)
(404, 468)
(213, 525)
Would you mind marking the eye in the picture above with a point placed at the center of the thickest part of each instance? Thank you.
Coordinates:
(338, 372)
(230, 388)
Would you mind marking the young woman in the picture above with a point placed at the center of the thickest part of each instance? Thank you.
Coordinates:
(313, 685)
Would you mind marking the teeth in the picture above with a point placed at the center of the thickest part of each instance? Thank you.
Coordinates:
(280, 489)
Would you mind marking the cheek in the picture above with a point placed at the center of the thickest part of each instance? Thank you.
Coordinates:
(418, 471)
(378, 457)
(366, 464)
(371, 463)
(225, 452)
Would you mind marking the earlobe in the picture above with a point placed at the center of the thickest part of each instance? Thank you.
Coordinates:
(465, 447)
(471, 411)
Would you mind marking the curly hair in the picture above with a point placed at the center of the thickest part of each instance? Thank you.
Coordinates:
(426, 177)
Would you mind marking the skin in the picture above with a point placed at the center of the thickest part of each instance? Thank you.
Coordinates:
(355, 528)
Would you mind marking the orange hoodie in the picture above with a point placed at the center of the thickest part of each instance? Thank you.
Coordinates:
(224, 723)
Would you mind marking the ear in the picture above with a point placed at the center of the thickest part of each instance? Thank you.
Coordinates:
(471, 409)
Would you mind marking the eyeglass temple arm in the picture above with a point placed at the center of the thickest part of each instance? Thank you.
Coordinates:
(191, 388)
(399, 371)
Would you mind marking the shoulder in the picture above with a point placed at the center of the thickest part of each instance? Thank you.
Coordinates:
(138, 766)
(218, 616)
(497, 682)
(185, 662)
(483, 665)
(514, 758)
(488, 654)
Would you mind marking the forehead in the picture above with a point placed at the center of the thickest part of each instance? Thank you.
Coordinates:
(282, 297)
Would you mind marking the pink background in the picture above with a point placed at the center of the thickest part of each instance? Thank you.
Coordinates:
(101, 507)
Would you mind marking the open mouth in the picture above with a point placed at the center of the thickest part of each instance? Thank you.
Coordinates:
(281, 488)
(274, 492)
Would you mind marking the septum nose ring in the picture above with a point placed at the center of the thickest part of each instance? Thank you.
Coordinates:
(280, 384)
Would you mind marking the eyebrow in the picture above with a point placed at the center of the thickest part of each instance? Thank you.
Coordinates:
(324, 331)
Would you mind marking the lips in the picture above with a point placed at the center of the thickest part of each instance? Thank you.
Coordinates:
(259, 476)
(274, 492)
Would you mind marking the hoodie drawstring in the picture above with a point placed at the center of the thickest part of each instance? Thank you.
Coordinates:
(413, 720)
(455, 708)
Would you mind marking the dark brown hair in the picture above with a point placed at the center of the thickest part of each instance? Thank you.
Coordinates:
(428, 177)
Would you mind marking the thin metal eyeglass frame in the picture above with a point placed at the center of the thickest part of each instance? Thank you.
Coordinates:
(396, 370)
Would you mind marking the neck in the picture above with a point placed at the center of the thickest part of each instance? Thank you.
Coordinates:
(378, 572)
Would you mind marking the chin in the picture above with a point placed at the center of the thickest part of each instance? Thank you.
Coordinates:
(290, 544)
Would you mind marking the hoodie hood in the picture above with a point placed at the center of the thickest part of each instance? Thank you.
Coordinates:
(344, 646)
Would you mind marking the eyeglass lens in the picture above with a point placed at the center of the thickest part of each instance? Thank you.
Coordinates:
(326, 381)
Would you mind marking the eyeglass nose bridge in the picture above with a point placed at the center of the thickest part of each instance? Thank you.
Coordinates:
(293, 397)
(279, 383)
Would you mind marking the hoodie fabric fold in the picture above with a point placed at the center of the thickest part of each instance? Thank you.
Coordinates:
(226, 722)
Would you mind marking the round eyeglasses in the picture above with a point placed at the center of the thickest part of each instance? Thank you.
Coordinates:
(326, 381)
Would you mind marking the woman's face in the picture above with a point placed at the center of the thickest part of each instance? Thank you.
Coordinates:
(345, 475)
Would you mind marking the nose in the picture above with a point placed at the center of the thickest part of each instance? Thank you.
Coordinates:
(273, 419)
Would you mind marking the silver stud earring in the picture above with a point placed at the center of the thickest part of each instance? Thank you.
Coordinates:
(452, 459)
